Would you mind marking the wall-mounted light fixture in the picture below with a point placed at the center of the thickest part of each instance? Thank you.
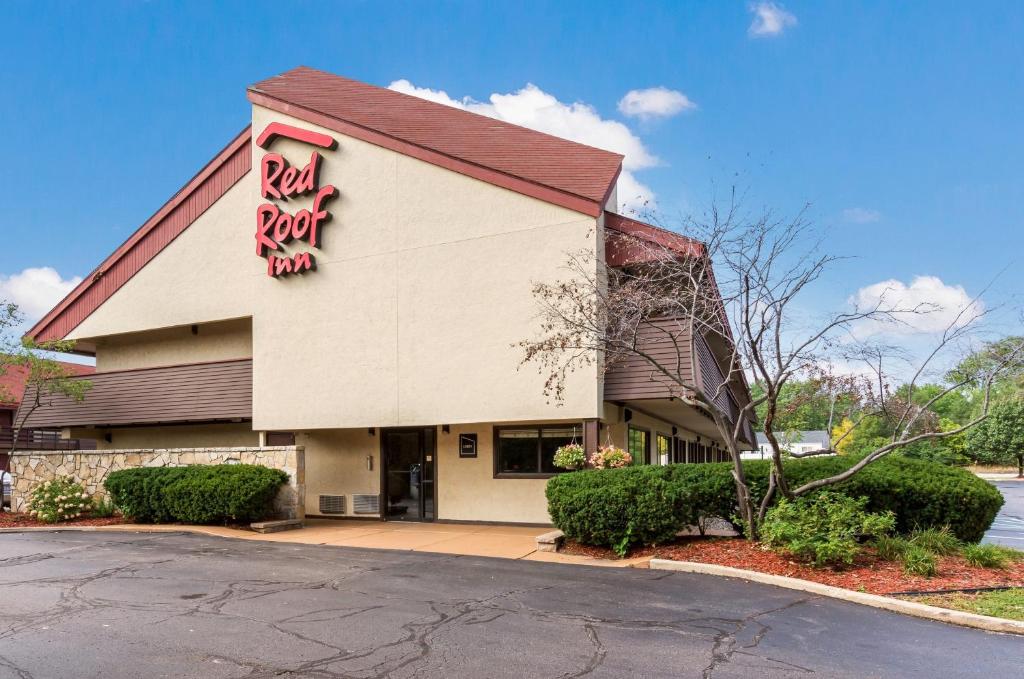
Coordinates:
(372, 431)
(195, 329)
(627, 415)
(446, 429)
(674, 431)
(108, 437)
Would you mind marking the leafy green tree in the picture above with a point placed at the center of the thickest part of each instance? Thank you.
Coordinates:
(952, 405)
(46, 379)
(1010, 383)
(869, 433)
(999, 439)
(951, 450)
(806, 405)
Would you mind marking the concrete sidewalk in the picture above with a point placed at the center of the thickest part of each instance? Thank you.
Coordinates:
(500, 541)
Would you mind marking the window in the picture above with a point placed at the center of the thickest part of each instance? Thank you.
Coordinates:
(530, 450)
(639, 445)
(664, 449)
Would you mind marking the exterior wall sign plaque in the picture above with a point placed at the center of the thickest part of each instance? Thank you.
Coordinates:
(281, 181)
(467, 445)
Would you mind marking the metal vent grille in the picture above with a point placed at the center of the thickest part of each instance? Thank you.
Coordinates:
(366, 504)
(332, 504)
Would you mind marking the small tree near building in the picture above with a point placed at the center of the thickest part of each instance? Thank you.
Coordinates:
(1000, 438)
(46, 379)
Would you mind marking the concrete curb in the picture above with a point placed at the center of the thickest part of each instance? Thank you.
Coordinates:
(112, 528)
(917, 610)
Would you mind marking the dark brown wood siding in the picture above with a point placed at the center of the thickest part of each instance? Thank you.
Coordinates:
(198, 392)
(635, 378)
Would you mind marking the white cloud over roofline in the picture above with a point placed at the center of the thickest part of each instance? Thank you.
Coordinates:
(536, 109)
(35, 290)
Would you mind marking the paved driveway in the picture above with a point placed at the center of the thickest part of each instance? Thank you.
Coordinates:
(177, 605)
(1008, 528)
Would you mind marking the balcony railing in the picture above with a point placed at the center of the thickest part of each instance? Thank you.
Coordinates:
(41, 439)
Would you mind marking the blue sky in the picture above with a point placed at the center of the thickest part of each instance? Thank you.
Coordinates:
(902, 124)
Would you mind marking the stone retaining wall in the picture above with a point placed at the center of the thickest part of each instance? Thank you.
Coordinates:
(90, 468)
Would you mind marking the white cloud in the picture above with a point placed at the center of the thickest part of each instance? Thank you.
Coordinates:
(654, 102)
(945, 305)
(534, 108)
(769, 20)
(861, 215)
(35, 290)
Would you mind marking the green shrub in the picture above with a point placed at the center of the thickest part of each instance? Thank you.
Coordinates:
(918, 561)
(991, 556)
(196, 494)
(938, 541)
(920, 494)
(617, 508)
(138, 492)
(891, 547)
(60, 499)
(102, 509)
(825, 529)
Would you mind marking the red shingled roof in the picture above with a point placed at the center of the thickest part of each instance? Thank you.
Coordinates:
(12, 381)
(472, 141)
(629, 249)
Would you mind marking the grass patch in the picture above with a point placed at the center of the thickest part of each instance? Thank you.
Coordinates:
(991, 556)
(938, 541)
(891, 548)
(1007, 603)
(919, 561)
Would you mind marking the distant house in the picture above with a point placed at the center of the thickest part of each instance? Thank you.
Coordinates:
(793, 442)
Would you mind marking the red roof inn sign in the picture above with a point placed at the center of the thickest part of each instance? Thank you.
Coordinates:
(276, 227)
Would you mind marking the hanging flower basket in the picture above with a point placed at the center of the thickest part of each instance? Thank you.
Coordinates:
(611, 457)
(570, 456)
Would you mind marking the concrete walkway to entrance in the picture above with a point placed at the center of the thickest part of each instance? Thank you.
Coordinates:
(501, 541)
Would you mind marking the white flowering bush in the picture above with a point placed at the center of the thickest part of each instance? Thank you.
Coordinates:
(58, 500)
(570, 456)
(611, 457)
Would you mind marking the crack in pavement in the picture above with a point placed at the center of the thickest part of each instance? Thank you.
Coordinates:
(269, 610)
(725, 643)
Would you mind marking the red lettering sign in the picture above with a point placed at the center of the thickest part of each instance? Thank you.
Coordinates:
(279, 180)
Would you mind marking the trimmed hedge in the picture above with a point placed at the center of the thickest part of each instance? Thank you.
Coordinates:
(616, 509)
(196, 494)
(648, 504)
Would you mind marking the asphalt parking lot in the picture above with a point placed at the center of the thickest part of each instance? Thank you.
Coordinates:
(180, 605)
(1008, 528)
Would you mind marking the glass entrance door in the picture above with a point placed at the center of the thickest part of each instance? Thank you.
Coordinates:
(409, 474)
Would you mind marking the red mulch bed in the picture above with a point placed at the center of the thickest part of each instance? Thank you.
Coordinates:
(19, 520)
(867, 574)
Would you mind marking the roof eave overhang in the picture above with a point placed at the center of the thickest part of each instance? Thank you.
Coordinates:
(526, 187)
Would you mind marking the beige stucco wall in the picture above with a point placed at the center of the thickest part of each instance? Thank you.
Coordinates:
(422, 291)
(205, 274)
(336, 465)
(466, 487)
(174, 346)
(468, 491)
(423, 287)
(179, 436)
